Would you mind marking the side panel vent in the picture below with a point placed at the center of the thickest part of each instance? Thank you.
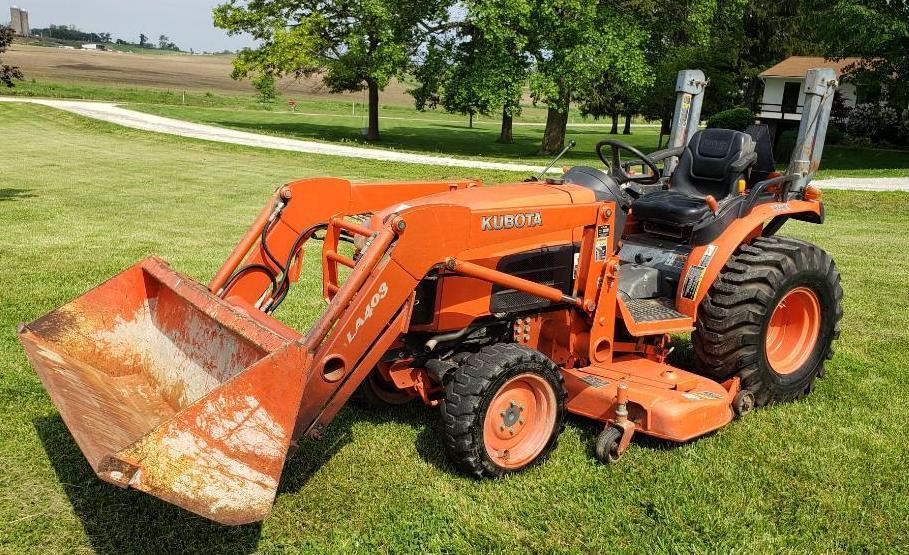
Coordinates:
(549, 265)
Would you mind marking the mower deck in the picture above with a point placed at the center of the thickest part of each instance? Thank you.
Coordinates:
(663, 401)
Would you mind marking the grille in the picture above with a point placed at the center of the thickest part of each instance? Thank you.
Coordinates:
(550, 266)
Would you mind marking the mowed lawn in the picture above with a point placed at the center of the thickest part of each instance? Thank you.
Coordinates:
(80, 200)
(403, 128)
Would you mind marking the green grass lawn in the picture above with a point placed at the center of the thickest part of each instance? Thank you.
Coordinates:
(175, 97)
(418, 132)
(80, 200)
(404, 128)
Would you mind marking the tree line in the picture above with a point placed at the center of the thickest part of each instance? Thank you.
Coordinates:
(73, 34)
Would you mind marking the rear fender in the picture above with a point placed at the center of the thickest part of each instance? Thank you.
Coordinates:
(706, 262)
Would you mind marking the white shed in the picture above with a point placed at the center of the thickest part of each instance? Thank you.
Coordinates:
(784, 86)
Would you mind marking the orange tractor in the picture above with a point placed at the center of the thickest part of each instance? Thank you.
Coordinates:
(506, 307)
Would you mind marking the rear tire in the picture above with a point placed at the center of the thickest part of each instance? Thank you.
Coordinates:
(770, 318)
(503, 410)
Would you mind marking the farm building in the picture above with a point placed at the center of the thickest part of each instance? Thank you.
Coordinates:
(19, 21)
(784, 87)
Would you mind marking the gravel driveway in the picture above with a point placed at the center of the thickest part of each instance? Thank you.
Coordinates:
(110, 112)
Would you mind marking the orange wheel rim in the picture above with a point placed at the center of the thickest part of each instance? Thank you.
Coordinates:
(519, 421)
(793, 330)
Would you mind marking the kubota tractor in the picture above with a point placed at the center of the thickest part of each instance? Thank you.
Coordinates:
(506, 307)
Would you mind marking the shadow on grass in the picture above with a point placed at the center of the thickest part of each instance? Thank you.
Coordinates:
(128, 521)
(429, 441)
(7, 193)
(858, 158)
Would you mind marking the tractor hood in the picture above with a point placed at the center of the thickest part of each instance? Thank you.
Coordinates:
(516, 196)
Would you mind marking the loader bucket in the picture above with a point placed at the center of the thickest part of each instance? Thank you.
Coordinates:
(170, 390)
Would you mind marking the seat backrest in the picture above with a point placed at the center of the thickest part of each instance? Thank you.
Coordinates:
(763, 147)
(709, 164)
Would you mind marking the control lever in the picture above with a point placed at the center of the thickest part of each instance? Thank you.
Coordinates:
(712, 204)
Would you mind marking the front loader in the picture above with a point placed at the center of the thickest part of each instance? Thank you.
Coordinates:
(506, 307)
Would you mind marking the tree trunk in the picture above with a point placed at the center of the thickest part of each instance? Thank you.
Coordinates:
(554, 135)
(505, 135)
(372, 132)
(665, 129)
(615, 124)
(627, 130)
(471, 120)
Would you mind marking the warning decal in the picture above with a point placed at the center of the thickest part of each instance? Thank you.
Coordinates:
(708, 255)
(702, 395)
(692, 282)
(696, 274)
(601, 248)
(594, 381)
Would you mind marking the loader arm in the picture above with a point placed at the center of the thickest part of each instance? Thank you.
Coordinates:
(267, 259)
(372, 308)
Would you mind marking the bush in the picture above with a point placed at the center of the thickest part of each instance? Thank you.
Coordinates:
(904, 129)
(862, 121)
(265, 88)
(863, 142)
(879, 123)
(835, 135)
(736, 118)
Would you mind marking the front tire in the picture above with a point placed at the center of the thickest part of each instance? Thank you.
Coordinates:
(503, 410)
(770, 318)
(375, 392)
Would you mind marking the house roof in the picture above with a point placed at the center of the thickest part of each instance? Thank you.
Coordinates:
(798, 66)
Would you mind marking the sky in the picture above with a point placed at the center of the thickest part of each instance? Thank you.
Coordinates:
(188, 23)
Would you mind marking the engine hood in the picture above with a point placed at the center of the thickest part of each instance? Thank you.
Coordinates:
(516, 196)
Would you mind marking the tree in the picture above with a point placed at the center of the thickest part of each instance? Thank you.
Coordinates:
(164, 43)
(749, 37)
(265, 88)
(143, 40)
(353, 44)
(877, 31)
(7, 73)
(499, 34)
(732, 41)
(481, 70)
(607, 97)
(576, 43)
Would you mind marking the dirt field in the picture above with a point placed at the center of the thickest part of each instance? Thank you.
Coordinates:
(177, 71)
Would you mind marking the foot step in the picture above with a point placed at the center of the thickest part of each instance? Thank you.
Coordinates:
(652, 310)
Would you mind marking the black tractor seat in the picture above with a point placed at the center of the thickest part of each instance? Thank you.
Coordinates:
(711, 165)
(670, 208)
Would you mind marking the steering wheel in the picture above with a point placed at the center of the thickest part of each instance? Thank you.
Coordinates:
(617, 172)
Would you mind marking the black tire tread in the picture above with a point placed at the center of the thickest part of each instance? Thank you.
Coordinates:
(465, 393)
(726, 338)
